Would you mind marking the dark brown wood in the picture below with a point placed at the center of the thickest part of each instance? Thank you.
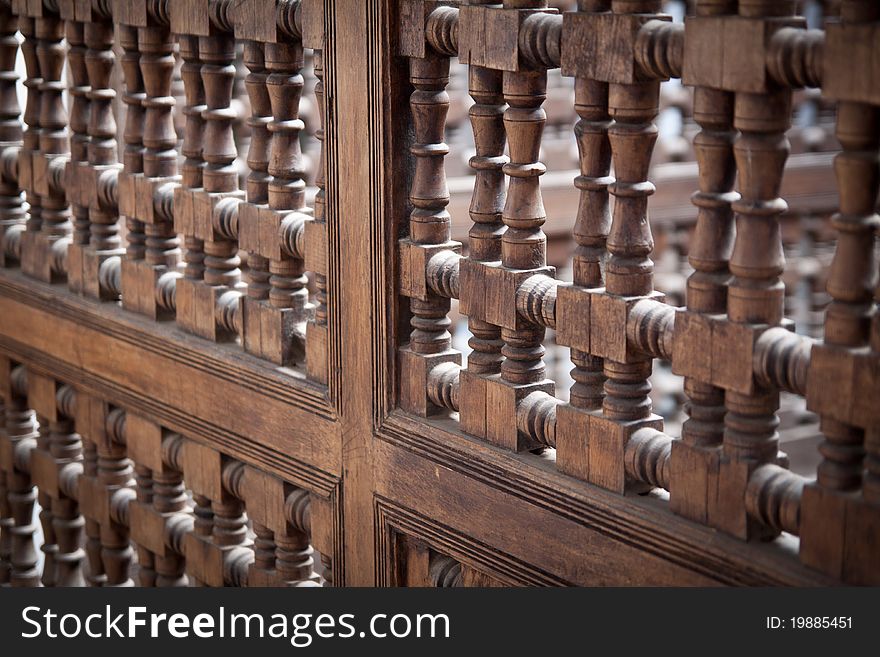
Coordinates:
(279, 332)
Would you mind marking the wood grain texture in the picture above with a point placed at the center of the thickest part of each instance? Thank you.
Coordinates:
(291, 362)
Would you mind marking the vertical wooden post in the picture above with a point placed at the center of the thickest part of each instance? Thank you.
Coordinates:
(695, 458)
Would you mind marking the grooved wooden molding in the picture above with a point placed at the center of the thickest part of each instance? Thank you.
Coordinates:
(227, 361)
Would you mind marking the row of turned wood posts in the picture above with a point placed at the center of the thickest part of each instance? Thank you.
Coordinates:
(215, 383)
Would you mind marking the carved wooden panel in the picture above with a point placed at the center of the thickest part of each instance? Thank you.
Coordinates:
(240, 346)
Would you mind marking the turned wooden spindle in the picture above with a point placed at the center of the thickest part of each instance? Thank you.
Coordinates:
(207, 300)
(49, 547)
(44, 253)
(146, 560)
(31, 138)
(524, 244)
(616, 97)
(484, 237)
(629, 269)
(12, 215)
(203, 526)
(852, 278)
(229, 533)
(95, 573)
(755, 293)
(218, 73)
(430, 342)
(54, 141)
(590, 232)
(429, 222)
(104, 240)
(275, 313)
(7, 522)
(853, 275)
(65, 447)
(193, 138)
(133, 133)
(294, 559)
(592, 223)
(287, 283)
(839, 526)
(170, 501)
(114, 473)
(160, 141)
(257, 184)
(21, 431)
(264, 553)
(80, 108)
(696, 456)
(149, 271)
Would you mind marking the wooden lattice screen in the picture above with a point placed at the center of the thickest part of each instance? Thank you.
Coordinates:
(225, 349)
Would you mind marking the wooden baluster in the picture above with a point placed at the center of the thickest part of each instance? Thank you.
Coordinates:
(104, 241)
(484, 237)
(240, 129)
(611, 50)
(263, 568)
(444, 571)
(837, 528)
(493, 294)
(592, 223)
(281, 516)
(169, 497)
(30, 143)
(289, 308)
(193, 164)
(148, 186)
(80, 108)
(257, 180)
(46, 258)
(524, 245)
(218, 551)
(203, 527)
(257, 185)
(523, 249)
(56, 460)
(165, 505)
(146, 560)
(276, 227)
(755, 294)
(132, 160)
(65, 447)
(229, 534)
(12, 214)
(694, 459)
(95, 574)
(7, 522)
(49, 548)
(590, 232)
(162, 253)
(210, 308)
(429, 226)
(861, 564)
(293, 554)
(220, 176)
(115, 474)
(21, 432)
(629, 269)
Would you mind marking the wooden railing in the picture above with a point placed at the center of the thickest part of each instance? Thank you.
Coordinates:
(731, 342)
(195, 367)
